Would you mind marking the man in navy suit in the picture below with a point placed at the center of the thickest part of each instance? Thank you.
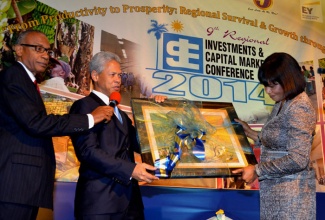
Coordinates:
(27, 160)
(107, 187)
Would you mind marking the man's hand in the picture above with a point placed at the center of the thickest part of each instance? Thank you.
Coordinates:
(140, 173)
(102, 113)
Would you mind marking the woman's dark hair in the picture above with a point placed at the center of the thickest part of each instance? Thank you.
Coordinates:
(282, 68)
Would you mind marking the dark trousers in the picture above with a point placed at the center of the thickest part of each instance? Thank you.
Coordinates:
(129, 214)
(133, 212)
(13, 211)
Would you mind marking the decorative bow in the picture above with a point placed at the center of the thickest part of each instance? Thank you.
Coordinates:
(193, 141)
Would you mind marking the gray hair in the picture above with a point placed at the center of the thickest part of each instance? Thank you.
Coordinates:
(23, 35)
(100, 59)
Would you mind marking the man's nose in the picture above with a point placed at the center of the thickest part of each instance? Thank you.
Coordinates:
(117, 78)
(46, 56)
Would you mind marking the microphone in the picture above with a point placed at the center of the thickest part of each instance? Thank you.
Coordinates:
(114, 99)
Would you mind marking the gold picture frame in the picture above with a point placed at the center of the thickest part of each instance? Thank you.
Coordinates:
(225, 144)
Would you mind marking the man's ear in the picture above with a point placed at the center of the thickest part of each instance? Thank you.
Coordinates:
(94, 75)
(18, 50)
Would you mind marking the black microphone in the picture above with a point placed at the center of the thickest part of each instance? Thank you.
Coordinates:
(115, 99)
(113, 103)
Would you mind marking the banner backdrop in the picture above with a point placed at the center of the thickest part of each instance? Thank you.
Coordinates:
(200, 50)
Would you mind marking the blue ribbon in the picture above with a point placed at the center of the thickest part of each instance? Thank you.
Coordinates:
(193, 140)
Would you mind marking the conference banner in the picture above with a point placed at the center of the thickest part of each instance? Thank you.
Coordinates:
(206, 51)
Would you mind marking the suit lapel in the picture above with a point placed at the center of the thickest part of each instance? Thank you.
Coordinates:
(30, 86)
(97, 99)
(123, 127)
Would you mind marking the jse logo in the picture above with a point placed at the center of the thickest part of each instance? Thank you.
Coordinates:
(182, 53)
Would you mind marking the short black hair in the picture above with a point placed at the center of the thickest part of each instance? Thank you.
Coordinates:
(282, 68)
(23, 35)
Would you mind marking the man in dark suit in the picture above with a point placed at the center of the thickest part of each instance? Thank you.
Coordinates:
(107, 187)
(27, 160)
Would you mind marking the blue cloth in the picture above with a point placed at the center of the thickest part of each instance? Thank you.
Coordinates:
(162, 203)
(118, 115)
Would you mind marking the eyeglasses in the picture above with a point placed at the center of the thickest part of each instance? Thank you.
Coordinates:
(39, 49)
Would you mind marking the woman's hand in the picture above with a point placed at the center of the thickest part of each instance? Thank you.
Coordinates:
(248, 173)
(160, 98)
(248, 131)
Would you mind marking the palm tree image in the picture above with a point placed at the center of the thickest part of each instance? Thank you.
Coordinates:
(158, 29)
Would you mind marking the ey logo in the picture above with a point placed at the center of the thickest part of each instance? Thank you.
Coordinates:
(182, 53)
(306, 10)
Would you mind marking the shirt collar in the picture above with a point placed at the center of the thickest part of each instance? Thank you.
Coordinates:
(30, 74)
(102, 96)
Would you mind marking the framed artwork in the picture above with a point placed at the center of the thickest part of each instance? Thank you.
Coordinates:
(188, 139)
